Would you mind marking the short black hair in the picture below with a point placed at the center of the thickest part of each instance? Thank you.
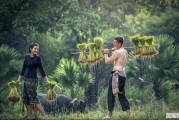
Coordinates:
(32, 45)
(119, 39)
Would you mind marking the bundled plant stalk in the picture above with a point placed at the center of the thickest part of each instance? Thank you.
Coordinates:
(152, 48)
(13, 95)
(144, 46)
(135, 41)
(51, 94)
(95, 51)
(92, 53)
(82, 57)
(99, 48)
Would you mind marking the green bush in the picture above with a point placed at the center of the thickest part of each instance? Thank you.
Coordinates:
(102, 99)
(138, 96)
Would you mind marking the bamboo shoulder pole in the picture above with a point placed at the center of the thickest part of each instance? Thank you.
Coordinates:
(75, 53)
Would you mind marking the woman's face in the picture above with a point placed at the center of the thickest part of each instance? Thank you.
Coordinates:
(34, 50)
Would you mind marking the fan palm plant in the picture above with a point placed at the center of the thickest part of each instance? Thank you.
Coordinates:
(8, 64)
(70, 76)
(8, 70)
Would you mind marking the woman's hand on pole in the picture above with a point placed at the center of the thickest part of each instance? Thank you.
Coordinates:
(46, 79)
(19, 79)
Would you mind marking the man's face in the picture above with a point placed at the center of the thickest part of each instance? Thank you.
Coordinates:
(116, 44)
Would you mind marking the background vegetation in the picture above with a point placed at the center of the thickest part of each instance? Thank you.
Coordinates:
(152, 85)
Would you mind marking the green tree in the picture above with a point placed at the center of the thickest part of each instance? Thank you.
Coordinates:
(146, 23)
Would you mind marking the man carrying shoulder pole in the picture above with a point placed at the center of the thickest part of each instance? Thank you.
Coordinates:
(118, 77)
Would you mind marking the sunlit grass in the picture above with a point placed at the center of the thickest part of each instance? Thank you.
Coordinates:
(139, 114)
(151, 111)
(136, 115)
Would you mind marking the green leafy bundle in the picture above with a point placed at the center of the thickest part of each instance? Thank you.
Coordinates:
(152, 48)
(51, 94)
(135, 41)
(82, 57)
(13, 95)
(99, 47)
(92, 53)
(144, 46)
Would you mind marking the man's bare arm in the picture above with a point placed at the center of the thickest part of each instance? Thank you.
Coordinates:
(112, 58)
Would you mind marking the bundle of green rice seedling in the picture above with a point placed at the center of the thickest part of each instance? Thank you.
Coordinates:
(143, 46)
(135, 41)
(82, 57)
(92, 53)
(13, 95)
(152, 48)
(51, 94)
(99, 47)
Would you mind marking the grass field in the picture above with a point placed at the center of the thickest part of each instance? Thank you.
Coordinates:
(145, 113)
(136, 115)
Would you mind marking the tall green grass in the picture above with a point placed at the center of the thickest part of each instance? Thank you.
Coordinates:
(151, 111)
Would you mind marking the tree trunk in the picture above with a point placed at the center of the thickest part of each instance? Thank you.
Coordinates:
(91, 93)
(72, 93)
(156, 89)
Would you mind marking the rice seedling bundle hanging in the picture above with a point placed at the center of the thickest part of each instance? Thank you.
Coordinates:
(92, 53)
(152, 48)
(99, 47)
(144, 46)
(82, 57)
(51, 94)
(13, 95)
(135, 41)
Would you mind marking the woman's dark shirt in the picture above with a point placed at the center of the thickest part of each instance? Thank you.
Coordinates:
(30, 66)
